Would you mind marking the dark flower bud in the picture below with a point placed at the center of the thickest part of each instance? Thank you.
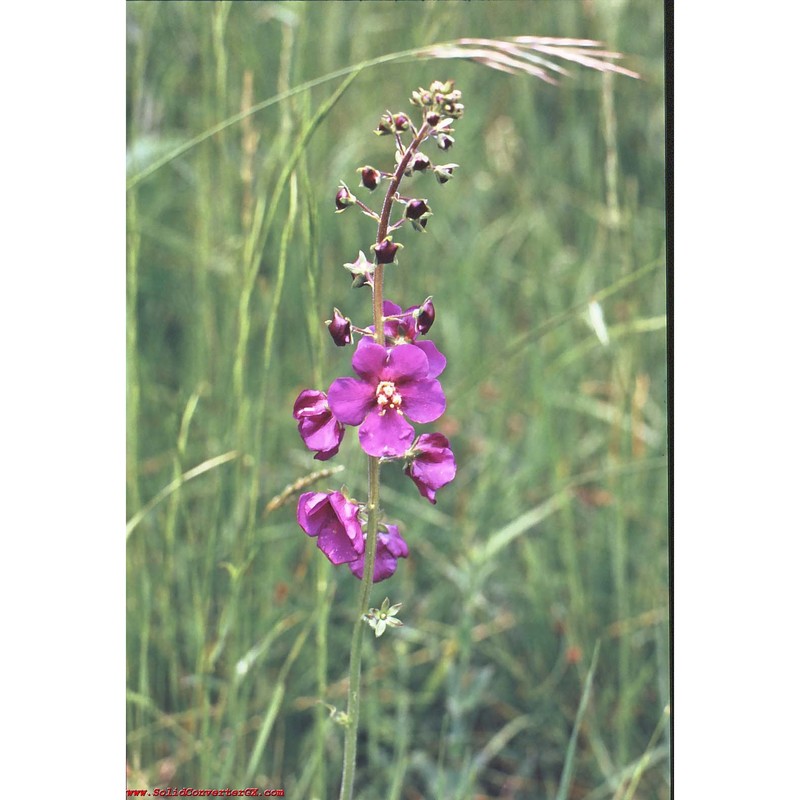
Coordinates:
(344, 199)
(425, 315)
(370, 177)
(420, 163)
(385, 126)
(455, 110)
(418, 212)
(415, 209)
(445, 141)
(339, 328)
(385, 251)
(432, 118)
(401, 122)
(444, 172)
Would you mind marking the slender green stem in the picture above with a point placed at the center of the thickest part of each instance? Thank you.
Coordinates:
(373, 495)
(354, 690)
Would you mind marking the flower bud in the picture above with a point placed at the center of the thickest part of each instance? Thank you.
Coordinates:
(401, 122)
(385, 126)
(444, 172)
(344, 199)
(432, 118)
(455, 110)
(339, 329)
(416, 209)
(424, 316)
(370, 177)
(385, 251)
(420, 162)
(445, 141)
(418, 212)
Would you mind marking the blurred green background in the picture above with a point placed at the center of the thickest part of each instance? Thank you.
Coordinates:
(546, 257)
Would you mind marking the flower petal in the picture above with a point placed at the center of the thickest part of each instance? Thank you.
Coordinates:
(433, 464)
(317, 426)
(369, 359)
(307, 505)
(423, 401)
(334, 521)
(391, 309)
(309, 403)
(322, 433)
(390, 547)
(436, 361)
(405, 363)
(386, 435)
(350, 399)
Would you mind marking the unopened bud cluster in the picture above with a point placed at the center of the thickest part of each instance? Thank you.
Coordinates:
(441, 106)
(398, 371)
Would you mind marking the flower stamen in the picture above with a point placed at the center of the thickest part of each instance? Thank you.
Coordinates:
(388, 397)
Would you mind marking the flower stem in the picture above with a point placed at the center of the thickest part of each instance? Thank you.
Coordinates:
(383, 229)
(373, 496)
(354, 690)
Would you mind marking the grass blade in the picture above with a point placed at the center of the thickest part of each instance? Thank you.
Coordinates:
(194, 472)
(569, 761)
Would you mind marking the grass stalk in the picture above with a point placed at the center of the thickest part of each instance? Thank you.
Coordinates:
(263, 225)
(278, 694)
(403, 722)
(131, 351)
(569, 760)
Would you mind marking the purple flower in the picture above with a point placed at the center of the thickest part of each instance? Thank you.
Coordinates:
(385, 251)
(344, 199)
(424, 316)
(432, 464)
(339, 328)
(317, 425)
(401, 330)
(334, 521)
(390, 547)
(408, 327)
(370, 177)
(395, 384)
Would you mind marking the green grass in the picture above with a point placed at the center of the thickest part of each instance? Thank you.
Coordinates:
(552, 539)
